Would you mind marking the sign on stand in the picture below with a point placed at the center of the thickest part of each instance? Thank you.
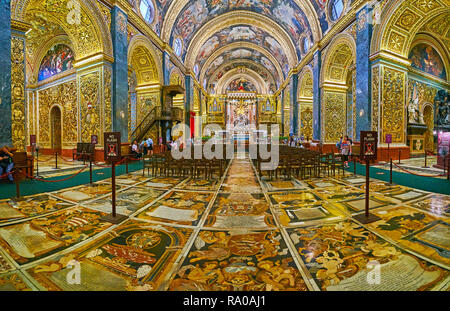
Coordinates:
(112, 155)
(368, 152)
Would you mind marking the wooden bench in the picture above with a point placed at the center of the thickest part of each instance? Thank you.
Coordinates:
(23, 165)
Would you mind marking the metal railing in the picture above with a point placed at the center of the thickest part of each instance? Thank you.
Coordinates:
(155, 114)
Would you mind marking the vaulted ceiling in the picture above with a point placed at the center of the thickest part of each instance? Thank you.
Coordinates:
(210, 35)
(274, 34)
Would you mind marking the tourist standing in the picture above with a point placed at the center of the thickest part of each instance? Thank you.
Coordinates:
(345, 151)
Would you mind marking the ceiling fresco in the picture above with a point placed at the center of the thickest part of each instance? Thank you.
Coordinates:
(271, 78)
(198, 12)
(240, 53)
(246, 34)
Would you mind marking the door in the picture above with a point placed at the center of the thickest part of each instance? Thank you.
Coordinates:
(55, 119)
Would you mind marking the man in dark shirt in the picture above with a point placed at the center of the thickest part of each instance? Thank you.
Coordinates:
(6, 162)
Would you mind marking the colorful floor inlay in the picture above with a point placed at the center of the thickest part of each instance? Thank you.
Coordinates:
(251, 261)
(235, 233)
(340, 256)
(12, 210)
(40, 237)
(179, 207)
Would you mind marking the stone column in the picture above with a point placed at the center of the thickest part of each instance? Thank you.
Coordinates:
(316, 96)
(363, 102)
(294, 105)
(119, 72)
(188, 98)
(5, 76)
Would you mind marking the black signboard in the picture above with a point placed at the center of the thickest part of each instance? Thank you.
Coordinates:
(369, 145)
(112, 146)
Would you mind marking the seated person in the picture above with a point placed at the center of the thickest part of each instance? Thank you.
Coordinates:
(144, 147)
(135, 150)
(6, 162)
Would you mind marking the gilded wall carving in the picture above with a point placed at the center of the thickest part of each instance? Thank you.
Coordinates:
(333, 116)
(393, 109)
(90, 106)
(145, 102)
(17, 93)
(80, 28)
(131, 102)
(65, 96)
(107, 96)
(306, 121)
(404, 23)
(375, 97)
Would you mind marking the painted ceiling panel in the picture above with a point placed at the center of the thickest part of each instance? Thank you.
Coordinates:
(240, 53)
(198, 12)
(269, 77)
(242, 33)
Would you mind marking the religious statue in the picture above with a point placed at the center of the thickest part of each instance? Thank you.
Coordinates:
(442, 108)
(413, 111)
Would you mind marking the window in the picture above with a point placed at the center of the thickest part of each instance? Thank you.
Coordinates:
(177, 46)
(336, 8)
(147, 10)
(305, 45)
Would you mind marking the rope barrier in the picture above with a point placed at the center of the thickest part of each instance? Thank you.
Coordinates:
(64, 179)
(423, 175)
(106, 166)
(69, 161)
(46, 160)
(6, 174)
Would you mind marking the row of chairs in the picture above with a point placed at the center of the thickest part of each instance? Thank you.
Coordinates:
(163, 164)
(302, 163)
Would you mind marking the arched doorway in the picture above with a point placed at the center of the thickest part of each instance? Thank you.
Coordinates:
(428, 117)
(55, 128)
(337, 80)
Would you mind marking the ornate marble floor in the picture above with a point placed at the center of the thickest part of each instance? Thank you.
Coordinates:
(235, 233)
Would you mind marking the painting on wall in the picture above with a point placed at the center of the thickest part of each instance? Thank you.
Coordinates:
(425, 58)
(270, 78)
(58, 59)
(241, 85)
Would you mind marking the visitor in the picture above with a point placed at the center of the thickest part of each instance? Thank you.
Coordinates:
(345, 150)
(150, 145)
(135, 150)
(144, 147)
(338, 144)
(351, 144)
(6, 163)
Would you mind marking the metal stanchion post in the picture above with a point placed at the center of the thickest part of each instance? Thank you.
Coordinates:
(16, 179)
(399, 155)
(425, 166)
(90, 170)
(448, 168)
(56, 160)
(354, 165)
(390, 173)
